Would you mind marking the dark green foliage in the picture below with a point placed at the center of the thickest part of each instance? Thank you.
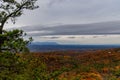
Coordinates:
(117, 73)
(10, 66)
(22, 67)
(55, 74)
(14, 42)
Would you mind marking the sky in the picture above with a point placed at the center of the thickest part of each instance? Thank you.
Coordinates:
(73, 21)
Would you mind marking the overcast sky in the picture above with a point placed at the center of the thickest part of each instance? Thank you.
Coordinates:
(62, 12)
(71, 12)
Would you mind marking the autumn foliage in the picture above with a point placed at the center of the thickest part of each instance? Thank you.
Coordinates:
(61, 65)
(74, 65)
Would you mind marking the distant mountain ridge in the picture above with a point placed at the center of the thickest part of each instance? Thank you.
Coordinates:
(44, 43)
(53, 46)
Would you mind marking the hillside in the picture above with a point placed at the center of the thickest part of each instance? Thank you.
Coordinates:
(61, 65)
(86, 65)
(44, 43)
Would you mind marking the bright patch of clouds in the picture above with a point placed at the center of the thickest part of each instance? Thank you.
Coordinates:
(81, 39)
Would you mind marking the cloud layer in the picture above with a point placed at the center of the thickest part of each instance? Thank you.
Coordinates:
(71, 11)
(102, 28)
(95, 33)
(65, 20)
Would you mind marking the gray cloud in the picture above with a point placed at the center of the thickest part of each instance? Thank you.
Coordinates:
(71, 11)
(50, 37)
(83, 11)
(72, 37)
(52, 2)
(103, 28)
(57, 18)
(54, 37)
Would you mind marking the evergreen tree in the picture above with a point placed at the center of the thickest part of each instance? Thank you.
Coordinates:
(11, 9)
